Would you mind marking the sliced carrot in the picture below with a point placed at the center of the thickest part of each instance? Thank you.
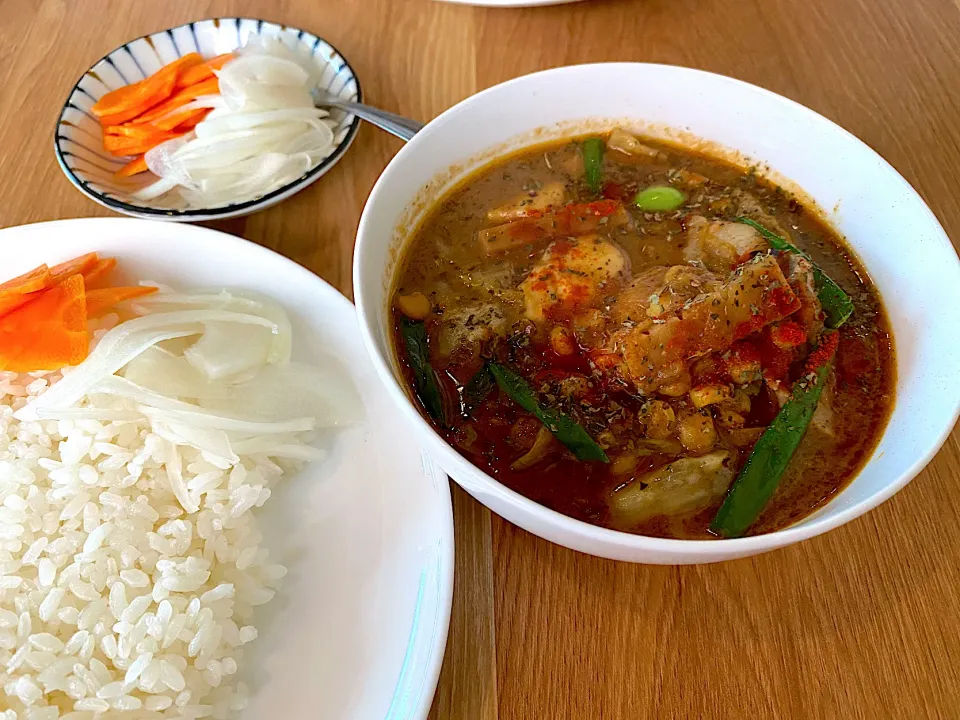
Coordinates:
(99, 301)
(123, 146)
(47, 333)
(210, 86)
(77, 266)
(181, 120)
(36, 279)
(98, 272)
(129, 101)
(198, 73)
(142, 96)
(193, 121)
(137, 132)
(12, 302)
(134, 167)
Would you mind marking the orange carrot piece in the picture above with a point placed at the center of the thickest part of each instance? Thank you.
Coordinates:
(198, 73)
(36, 279)
(129, 101)
(135, 132)
(12, 302)
(99, 301)
(142, 96)
(98, 272)
(123, 146)
(134, 167)
(181, 120)
(47, 333)
(210, 86)
(193, 121)
(77, 266)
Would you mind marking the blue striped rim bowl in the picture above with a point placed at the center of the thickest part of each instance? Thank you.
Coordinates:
(79, 140)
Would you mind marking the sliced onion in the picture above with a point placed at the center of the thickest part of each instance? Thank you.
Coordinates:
(295, 390)
(200, 419)
(222, 352)
(123, 343)
(156, 189)
(262, 133)
(163, 372)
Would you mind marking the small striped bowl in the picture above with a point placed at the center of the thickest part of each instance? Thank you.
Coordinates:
(79, 141)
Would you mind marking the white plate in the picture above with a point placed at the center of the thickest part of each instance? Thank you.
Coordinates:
(360, 623)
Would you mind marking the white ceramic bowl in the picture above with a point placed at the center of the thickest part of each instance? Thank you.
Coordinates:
(895, 235)
(78, 142)
(359, 625)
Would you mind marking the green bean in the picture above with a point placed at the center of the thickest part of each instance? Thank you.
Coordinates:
(414, 334)
(563, 427)
(768, 461)
(592, 149)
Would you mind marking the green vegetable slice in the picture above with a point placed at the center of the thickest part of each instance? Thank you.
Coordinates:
(592, 149)
(414, 334)
(564, 428)
(659, 198)
(764, 469)
(476, 389)
(836, 303)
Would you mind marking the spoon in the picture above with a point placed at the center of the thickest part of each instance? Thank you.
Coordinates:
(403, 128)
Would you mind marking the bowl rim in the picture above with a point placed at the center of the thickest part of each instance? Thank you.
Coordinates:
(145, 212)
(582, 532)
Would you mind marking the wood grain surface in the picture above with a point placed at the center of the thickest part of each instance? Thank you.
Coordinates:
(861, 623)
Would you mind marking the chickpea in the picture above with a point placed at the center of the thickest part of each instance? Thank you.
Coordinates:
(696, 430)
(704, 395)
(415, 306)
(658, 419)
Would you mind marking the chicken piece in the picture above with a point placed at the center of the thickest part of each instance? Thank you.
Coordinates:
(810, 315)
(656, 356)
(720, 245)
(624, 142)
(528, 203)
(570, 220)
(571, 276)
(684, 486)
(659, 291)
(467, 328)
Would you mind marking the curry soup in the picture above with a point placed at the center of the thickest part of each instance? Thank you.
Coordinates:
(610, 325)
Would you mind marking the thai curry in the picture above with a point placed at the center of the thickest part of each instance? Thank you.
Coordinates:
(644, 338)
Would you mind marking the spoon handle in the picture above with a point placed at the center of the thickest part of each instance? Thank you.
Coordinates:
(403, 128)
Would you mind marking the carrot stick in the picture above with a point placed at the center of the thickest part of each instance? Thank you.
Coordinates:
(135, 166)
(98, 272)
(99, 301)
(135, 132)
(123, 146)
(210, 86)
(129, 101)
(181, 120)
(197, 73)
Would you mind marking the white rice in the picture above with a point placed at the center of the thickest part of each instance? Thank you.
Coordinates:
(114, 601)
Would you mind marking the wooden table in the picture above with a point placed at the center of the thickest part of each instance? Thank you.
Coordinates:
(863, 622)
